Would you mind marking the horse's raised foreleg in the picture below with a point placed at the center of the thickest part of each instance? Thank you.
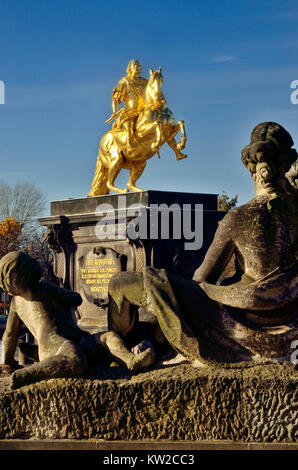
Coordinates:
(135, 173)
(173, 144)
(177, 147)
(181, 144)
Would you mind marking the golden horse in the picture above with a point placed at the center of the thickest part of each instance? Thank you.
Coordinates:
(154, 126)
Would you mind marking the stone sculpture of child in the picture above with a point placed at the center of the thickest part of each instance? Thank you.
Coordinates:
(46, 310)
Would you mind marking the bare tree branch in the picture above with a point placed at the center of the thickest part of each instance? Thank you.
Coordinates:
(25, 202)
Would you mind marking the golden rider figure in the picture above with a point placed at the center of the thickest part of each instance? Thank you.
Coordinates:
(142, 126)
(130, 90)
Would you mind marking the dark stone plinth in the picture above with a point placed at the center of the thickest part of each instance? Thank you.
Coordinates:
(90, 204)
(86, 260)
(256, 404)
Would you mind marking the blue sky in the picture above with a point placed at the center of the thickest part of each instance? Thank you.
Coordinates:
(227, 66)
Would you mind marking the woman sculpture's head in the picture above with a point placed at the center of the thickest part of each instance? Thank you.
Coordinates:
(269, 155)
(18, 272)
(270, 143)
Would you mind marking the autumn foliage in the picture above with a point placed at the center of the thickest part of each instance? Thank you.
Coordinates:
(10, 231)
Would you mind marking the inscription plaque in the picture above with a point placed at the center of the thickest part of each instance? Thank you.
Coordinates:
(96, 266)
(97, 273)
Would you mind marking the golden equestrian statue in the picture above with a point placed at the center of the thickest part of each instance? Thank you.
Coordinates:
(142, 126)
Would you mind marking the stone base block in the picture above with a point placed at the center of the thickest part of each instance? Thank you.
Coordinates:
(176, 403)
(93, 238)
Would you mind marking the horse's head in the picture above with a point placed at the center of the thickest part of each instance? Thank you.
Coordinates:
(154, 88)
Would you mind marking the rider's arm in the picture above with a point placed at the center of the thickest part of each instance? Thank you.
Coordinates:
(10, 336)
(219, 252)
(118, 95)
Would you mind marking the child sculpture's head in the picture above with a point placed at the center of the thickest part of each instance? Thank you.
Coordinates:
(18, 272)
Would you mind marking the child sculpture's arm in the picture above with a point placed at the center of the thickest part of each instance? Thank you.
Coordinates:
(10, 336)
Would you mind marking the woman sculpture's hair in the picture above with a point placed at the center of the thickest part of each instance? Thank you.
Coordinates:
(271, 143)
(292, 174)
(27, 270)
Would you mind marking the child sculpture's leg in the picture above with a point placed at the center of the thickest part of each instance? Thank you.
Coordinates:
(94, 345)
(118, 350)
(70, 362)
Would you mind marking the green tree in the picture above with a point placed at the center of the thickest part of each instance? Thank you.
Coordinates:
(225, 203)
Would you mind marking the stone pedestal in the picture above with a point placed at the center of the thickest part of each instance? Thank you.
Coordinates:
(179, 403)
(93, 238)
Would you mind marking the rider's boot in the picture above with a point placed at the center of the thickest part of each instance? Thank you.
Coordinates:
(129, 136)
(129, 143)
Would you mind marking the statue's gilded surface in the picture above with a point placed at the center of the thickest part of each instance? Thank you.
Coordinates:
(141, 127)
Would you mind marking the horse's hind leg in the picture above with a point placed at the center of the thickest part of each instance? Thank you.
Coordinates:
(113, 171)
(135, 173)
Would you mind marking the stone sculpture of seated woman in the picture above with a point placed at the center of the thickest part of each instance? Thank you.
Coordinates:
(255, 318)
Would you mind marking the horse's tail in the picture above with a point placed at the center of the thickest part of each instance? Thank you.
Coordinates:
(99, 184)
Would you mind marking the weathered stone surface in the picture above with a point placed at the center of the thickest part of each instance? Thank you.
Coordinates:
(257, 404)
(270, 401)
